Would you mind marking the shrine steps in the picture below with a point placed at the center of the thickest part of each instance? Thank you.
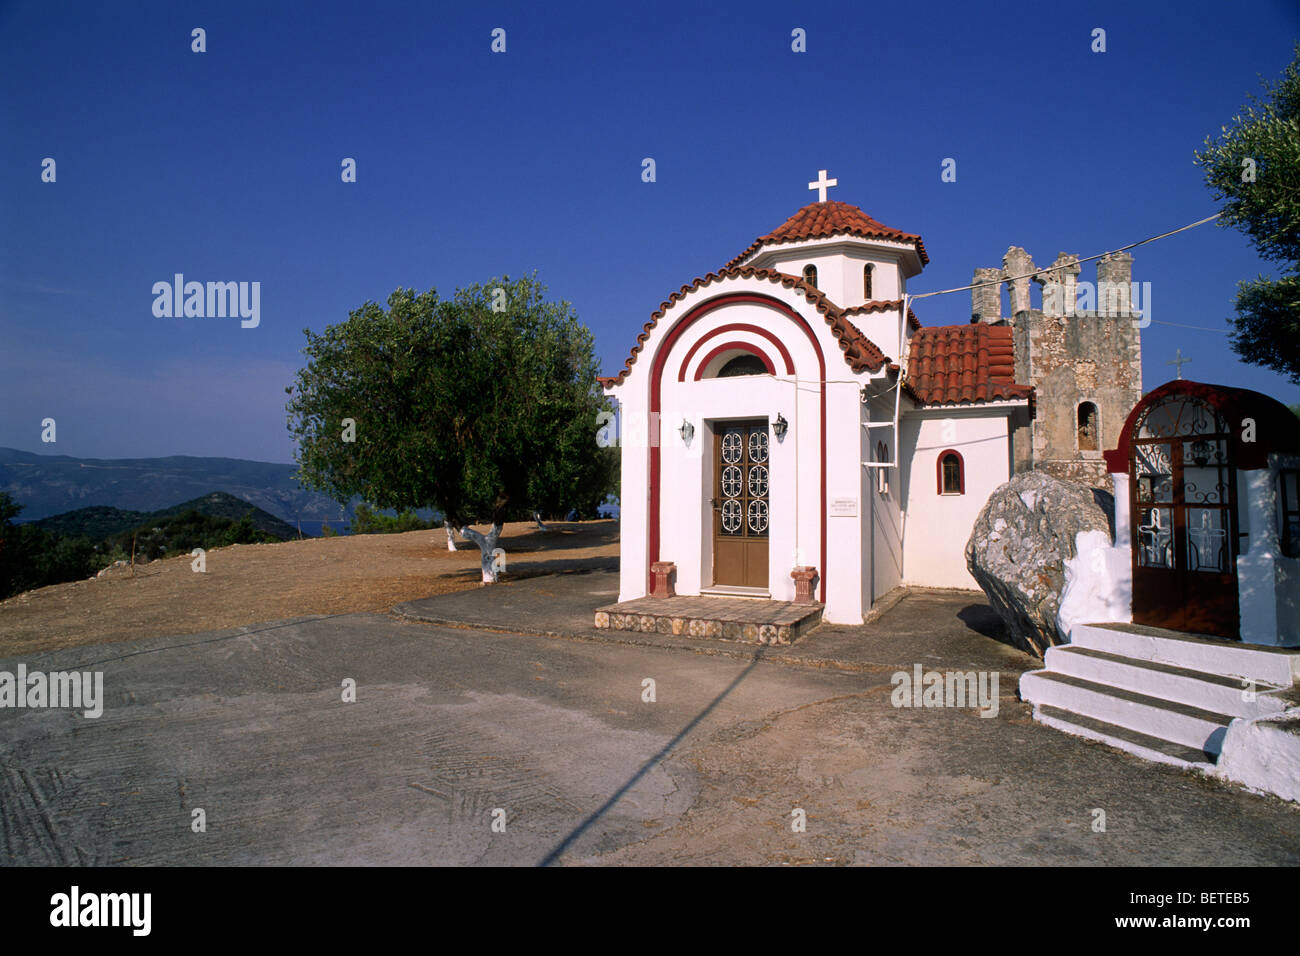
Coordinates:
(1160, 695)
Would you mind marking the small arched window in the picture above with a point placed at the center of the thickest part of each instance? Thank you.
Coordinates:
(810, 275)
(951, 474)
(866, 280)
(882, 474)
(1087, 427)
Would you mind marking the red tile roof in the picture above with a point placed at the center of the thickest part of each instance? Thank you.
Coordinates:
(859, 352)
(964, 365)
(821, 220)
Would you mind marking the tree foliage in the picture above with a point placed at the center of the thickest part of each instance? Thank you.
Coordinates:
(365, 520)
(182, 533)
(479, 413)
(1253, 168)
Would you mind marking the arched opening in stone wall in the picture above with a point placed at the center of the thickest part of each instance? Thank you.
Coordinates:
(1088, 427)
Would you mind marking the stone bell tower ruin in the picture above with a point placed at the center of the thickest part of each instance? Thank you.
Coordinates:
(1081, 350)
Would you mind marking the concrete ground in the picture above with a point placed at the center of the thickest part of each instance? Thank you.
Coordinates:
(453, 722)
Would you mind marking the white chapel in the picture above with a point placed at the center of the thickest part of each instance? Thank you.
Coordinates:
(791, 430)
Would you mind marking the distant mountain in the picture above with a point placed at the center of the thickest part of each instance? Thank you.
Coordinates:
(218, 504)
(98, 522)
(48, 485)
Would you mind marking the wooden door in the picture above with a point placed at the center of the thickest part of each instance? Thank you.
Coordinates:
(741, 480)
(1184, 507)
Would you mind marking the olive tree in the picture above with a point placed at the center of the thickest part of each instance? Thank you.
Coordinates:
(1253, 168)
(483, 406)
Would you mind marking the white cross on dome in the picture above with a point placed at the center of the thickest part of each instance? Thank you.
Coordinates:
(822, 184)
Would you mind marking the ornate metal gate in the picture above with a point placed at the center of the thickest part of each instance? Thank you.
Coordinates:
(740, 504)
(1183, 488)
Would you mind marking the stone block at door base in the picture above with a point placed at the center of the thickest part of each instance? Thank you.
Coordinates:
(709, 618)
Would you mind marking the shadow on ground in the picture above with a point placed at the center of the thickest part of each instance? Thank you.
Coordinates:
(982, 619)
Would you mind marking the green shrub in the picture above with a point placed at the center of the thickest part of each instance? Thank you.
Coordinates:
(368, 521)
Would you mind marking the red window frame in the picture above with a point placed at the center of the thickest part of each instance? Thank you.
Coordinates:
(961, 472)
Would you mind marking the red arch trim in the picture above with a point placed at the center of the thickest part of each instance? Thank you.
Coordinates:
(737, 327)
(1272, 418)
(961, 471)
(656, 407)
(731, 347)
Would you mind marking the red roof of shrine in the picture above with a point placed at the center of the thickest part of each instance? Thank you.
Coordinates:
(964, 365)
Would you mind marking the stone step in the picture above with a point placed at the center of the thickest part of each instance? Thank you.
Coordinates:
(1276, 666)
(1138, 744)
(732, 591)
(728, 619)
(1212, 692)
(1166, 719)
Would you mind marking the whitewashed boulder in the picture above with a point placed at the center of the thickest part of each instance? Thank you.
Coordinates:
(1020, 543)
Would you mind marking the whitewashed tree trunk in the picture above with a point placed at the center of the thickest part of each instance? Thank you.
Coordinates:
(451, 541)
(486, 545)
(537, 516)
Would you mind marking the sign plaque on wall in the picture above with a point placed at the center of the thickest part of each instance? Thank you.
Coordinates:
(844, 507)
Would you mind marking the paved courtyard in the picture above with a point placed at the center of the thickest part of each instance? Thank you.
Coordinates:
(452, 722)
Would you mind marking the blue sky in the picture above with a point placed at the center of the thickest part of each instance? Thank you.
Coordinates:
(225, 166)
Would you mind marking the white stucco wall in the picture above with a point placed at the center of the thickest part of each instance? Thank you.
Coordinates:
(848, 558)
(839, 269)
(686, 470)
(1268, 582)
(882, 328)
(883, 520)
(938, 526)
(1098, 583)
(1286, 577)
(1263, 754)
(634, 464)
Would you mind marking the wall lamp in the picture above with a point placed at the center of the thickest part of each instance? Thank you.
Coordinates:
(687, 431)
(779, 427)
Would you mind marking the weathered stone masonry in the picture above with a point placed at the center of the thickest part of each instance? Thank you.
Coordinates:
(1070, 357)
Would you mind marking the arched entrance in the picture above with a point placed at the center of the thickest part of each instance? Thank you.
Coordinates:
(659, 377)
(1183, 508)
